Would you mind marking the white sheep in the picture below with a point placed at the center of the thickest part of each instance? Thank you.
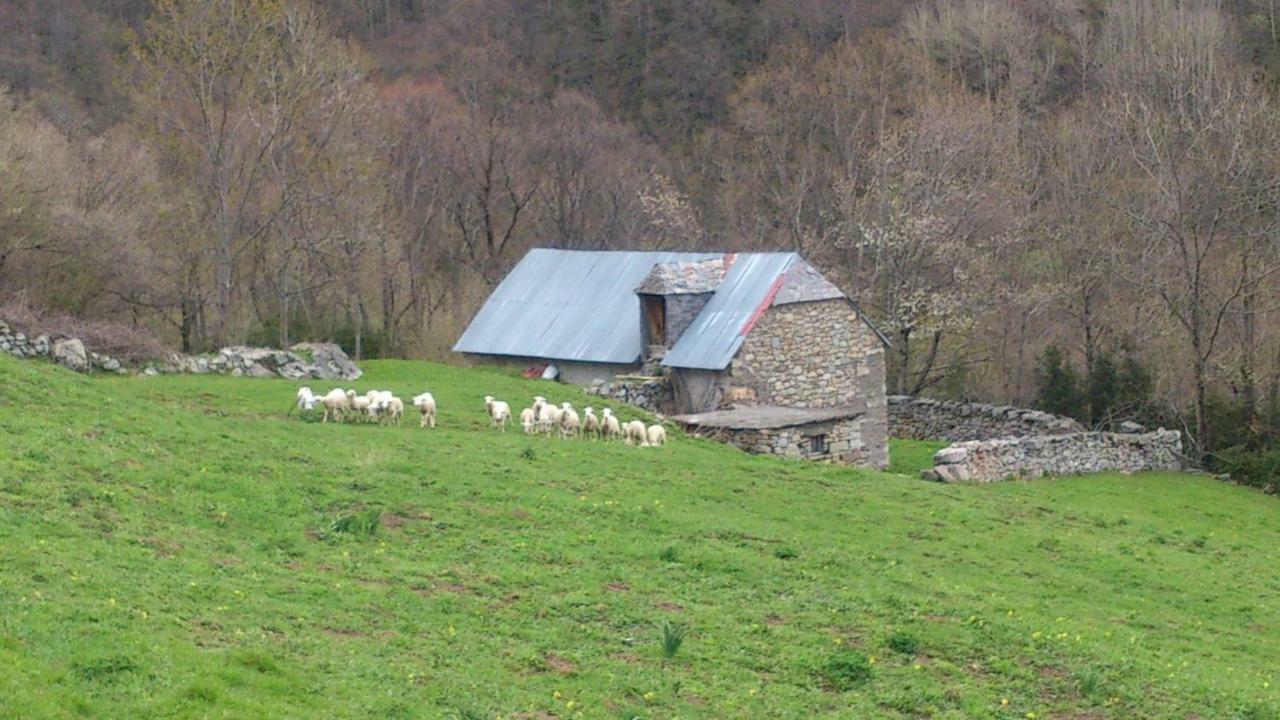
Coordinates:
(549, 418)
(635, 433)
(538, 403)
(392, 410)
(426, 404)
(609, 424)
(335, 404)
(528, 420)
(590, 423)
(569, 421)
(361, 406)
(499, 412)
(657, 436)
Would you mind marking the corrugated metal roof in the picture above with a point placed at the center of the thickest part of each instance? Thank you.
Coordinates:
(568, 305)
(749, 288)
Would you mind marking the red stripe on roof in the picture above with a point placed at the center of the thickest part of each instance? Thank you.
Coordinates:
(764, 304)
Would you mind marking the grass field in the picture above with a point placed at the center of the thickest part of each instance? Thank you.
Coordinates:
(179, 547)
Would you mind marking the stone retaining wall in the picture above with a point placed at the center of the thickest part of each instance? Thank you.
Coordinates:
(1071, 454)
(925, 419)
(656, 396)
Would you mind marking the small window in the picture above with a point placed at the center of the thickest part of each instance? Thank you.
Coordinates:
(818, 444)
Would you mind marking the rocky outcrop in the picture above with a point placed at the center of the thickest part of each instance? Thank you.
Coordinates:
(322, 361)
(926, 419)
(68, 352)
(1055, 455)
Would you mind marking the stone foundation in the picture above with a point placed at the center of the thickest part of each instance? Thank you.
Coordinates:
(1054, 455)
(926, 419)
(656, 396)
(840, 441)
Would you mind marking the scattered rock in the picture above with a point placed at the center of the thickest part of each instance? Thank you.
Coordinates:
(70, 353)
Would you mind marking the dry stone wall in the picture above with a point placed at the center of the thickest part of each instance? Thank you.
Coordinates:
(68, 352)
(927, 419)
(324, 361)
(1054, 455)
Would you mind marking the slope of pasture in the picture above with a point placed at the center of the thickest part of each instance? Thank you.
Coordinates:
(179, 547)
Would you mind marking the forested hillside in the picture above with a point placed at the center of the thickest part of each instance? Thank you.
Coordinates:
(1068, 203)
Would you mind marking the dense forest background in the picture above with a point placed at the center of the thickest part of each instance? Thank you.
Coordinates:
(1067, 203)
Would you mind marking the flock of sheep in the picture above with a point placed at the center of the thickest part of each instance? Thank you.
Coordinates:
(383, 406)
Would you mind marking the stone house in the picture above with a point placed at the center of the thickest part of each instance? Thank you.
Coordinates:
(703, 334)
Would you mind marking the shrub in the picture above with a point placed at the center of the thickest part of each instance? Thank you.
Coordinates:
(1257, 468)
(845, 670)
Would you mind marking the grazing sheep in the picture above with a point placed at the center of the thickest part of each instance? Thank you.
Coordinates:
(609, 424)
(426, 404)
(569, 421)
(590, 423)
(657, 435)
(635, 433)
(528, 420)
(335, 404)
(499, 412)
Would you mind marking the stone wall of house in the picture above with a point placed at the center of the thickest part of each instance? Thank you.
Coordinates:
(1054, 455)
(681, 311)
(927, 419)
(814, 354)
(843, 441)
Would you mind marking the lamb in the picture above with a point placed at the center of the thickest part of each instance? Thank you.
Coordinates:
(569, 421)
(393, 409)
(635, 433)
(361, 405)
(538, 403)
(335, 404)
(528, 420)
(609, 424)
(590, 423)
(657, 436)
(499, 412)
(426, 404)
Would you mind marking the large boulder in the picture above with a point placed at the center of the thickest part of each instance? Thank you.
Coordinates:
(70, 353)
(328, 361)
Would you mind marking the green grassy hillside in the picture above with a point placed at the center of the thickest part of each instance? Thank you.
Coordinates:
(179, 547)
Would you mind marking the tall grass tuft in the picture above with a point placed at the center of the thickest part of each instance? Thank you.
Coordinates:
(672, 638)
